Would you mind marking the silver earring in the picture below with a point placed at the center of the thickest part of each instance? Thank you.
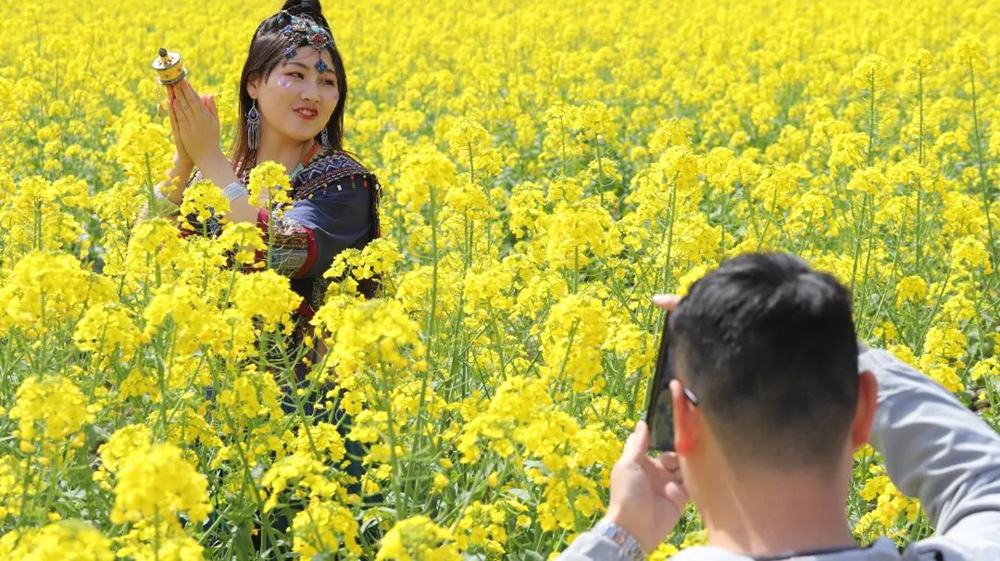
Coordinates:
(253, 126)
(325, 138)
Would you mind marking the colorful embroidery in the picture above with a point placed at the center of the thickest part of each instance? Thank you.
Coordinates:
(325, 171)
(294, 250)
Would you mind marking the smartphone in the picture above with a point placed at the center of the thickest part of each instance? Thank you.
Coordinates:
(659, 403)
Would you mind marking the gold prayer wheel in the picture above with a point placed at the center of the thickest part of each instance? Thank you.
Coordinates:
(169, 69)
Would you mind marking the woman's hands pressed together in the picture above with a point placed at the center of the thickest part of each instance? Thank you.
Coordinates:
(195, 123)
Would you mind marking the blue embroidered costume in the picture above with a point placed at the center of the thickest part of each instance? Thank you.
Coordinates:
(335, 207)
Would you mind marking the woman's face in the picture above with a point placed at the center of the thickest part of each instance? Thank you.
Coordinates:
(297, 100)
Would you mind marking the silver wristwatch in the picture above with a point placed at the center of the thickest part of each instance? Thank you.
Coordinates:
(626, 541)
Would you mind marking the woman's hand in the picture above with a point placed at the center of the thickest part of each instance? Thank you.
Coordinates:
(197, 127)
(181, 157)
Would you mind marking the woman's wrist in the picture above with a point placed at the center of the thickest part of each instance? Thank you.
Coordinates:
(217, 169)
(173, 188)
(214, 161)
(182, 161)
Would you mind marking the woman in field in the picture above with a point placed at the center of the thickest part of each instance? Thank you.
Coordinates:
(293, 90)
(292, 95)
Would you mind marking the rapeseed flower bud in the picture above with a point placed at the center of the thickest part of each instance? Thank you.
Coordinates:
(107, 329)
(51, 408)
(482, 528)
(163, 540)
(69, 540)
(970, 252)
(203, 200)
(128, 440)
(244, 240)
(417, 539)
(673, 132)
(251, 395)
(971, 54)
(143, 148)
(988, 368)
(195, 322)
(870, 181)
(322, 526)
(45, 290)
(298, 470)
(472, 145)
(920, 61)
(572, 340)
(579, 232)
(266, 296)
(890, 503)
(269, 185)
(158, 483)
(424, 169)
(872, 74)
(910, 289)
(369, 334)
(156, 251)
(849, 150)
(526, 204)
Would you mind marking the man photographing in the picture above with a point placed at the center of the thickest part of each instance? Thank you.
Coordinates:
(768, 409)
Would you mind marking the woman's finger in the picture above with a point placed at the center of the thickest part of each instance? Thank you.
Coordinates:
(173, 119)
(188, 106)
(175, 111)
(183, 92)
(189, 91)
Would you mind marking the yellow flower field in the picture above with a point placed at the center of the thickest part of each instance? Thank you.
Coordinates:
(547, 167)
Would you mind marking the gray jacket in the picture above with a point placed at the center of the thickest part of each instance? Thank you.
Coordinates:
(934, 449)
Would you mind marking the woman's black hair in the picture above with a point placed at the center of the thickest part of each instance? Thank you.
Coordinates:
(265, 53)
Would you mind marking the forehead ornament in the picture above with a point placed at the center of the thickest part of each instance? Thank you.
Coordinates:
(303, 31)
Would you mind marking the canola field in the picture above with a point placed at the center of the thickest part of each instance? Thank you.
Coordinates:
(547, 167)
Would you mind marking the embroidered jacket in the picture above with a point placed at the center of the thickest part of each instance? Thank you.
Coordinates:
(334, 207)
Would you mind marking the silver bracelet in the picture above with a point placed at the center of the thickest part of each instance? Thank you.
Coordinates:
(626, 541)
(235, 190)
(160, 197)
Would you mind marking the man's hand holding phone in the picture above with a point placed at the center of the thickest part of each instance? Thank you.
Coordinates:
(647, 493)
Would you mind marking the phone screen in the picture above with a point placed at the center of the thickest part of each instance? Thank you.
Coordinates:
(659, 403)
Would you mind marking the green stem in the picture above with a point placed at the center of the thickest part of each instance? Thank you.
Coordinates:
(920, 160)
(871, 120)
(982, 163)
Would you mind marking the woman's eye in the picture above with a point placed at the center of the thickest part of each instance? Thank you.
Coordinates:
(330, 82)
(296, 75)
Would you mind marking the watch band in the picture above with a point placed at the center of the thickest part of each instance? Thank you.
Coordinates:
(626, 541)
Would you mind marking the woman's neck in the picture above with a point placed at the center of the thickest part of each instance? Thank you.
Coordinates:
(288, 154)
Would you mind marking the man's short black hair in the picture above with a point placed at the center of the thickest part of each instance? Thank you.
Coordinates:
(768, 346)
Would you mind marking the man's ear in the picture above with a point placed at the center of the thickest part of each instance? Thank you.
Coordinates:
(864, 413)
(686, 420)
